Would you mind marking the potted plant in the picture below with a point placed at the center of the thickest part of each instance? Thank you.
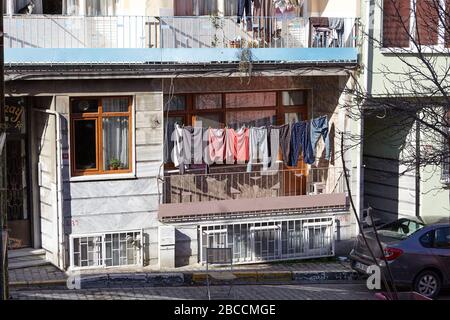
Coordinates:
(114, 164)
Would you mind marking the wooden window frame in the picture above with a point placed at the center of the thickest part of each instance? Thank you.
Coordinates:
(98, 117)
(280, 110)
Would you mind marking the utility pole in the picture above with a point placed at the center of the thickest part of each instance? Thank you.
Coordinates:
(4, 294)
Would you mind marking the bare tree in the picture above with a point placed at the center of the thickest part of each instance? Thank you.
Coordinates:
(412, 110)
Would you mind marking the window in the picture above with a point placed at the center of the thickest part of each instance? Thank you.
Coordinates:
(442, 238)
(430, 21)
(195, 7)
(400, 229)
(396, 23)
(427, 239)
(100, 135)
(89, 7)
(233, 109)
(106, 250)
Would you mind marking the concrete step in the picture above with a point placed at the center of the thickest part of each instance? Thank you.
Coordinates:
(27, 264)
(25, 253)
(26, 258)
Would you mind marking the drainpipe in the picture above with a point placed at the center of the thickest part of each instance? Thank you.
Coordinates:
(59, 187)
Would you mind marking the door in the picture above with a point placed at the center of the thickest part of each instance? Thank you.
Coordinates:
(441, 249)
(18, 211)
(266, 242)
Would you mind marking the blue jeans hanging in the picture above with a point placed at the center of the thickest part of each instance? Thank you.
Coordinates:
(300, 139)
(319, 127)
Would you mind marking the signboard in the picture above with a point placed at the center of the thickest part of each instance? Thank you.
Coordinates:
(14, 115)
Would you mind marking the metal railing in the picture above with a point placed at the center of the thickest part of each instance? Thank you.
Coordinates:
(55, 31)
(235, 183)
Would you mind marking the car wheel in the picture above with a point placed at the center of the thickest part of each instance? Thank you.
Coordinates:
(428, 283)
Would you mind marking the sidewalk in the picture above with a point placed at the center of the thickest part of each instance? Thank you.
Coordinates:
(312, 271)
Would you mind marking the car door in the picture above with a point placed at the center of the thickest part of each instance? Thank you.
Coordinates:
(441, 249)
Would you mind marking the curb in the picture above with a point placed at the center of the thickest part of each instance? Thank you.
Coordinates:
(195, 278)
(18, 284)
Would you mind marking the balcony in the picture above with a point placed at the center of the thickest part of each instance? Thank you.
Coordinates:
(232, 191)
(177, 39)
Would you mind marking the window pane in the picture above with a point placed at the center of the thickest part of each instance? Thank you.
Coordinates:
(85, 144)
(208, 101)
(176, 103)
(255, 99)
(251, 118)
(427, 21)
(294, 98)
(208, 120)
(115, 105)
(85, 106)
(115, 143)
(442, 238)
(396, 23)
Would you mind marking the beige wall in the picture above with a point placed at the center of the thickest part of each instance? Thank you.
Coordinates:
(334, 8)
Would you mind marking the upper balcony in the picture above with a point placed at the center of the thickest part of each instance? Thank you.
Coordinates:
(178, 39)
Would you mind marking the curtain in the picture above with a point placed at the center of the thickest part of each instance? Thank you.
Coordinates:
(195, 7)
(115, 141)
(72, 7)
(115, 133)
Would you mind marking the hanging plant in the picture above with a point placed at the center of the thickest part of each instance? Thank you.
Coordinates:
(245, 62)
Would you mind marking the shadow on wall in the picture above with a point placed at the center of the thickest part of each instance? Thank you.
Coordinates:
(387, 190)
(183, 249)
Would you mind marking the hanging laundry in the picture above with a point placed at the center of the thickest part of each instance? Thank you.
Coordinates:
(177, 151)
(193, 145)
(237, 146)
(215, 152)
(300, 140)
(319, 127)
(284, 139)
(274, 138)
(258, 147)
(245, 6)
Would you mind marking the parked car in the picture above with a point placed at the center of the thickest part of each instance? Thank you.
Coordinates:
(416, 249)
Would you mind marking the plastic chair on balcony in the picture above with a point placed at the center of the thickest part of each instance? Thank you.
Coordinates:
(224, 258)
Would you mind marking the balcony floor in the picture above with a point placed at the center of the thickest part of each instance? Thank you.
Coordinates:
(236, 207)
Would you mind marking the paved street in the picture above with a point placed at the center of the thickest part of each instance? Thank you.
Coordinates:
(244, 292)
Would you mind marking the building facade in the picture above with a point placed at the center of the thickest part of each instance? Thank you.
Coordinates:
(96, 90)
(400, 179)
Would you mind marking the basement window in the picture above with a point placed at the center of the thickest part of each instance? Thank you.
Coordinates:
(106, 250)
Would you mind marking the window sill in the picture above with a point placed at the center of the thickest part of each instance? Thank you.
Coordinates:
(438, 50)
(100, 177)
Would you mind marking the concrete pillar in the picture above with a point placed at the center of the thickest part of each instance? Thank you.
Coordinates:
(166, 247)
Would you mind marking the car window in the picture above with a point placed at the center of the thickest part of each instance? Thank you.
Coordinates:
(427, 239)
(400, 229)
(442, 238)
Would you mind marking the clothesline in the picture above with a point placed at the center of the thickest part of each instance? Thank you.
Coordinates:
(196, 145)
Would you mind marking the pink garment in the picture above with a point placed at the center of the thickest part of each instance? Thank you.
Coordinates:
(237, 146)
(216, 145)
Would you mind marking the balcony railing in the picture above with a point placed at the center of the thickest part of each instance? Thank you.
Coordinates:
(53, 31)
(192, 187)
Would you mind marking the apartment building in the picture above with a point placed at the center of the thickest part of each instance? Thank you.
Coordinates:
(400, 176)
(96, 90)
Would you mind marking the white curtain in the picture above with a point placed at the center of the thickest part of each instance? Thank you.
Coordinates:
(100, 7)
(115, 133)
(93, 8)
(73, 7)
